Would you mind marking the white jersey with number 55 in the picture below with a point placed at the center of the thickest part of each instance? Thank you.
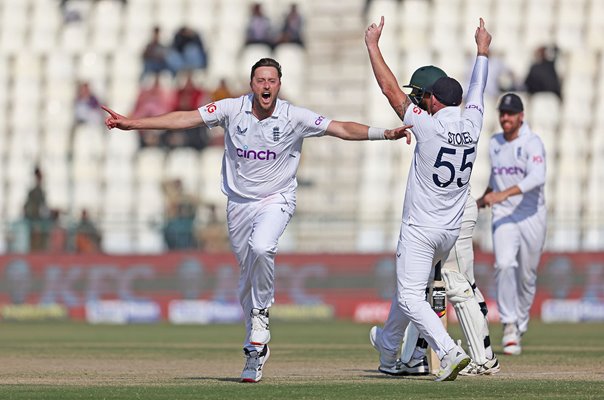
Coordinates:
(437, 186)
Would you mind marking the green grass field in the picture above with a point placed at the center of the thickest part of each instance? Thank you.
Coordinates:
(331, 360)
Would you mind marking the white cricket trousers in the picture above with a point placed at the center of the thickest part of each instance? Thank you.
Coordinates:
(254, 231)
(419, 249)
(517, 246)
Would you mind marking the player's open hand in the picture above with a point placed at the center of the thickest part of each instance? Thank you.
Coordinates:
(115, 120)
(397, 133)
(373, 33)
(483, 38)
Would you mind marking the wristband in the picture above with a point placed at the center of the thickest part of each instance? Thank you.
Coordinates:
(376, 133)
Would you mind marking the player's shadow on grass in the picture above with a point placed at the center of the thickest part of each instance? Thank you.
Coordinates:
(209, 378)
(373, 374)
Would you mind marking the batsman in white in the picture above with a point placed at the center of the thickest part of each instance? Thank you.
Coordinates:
(435, 199)
(458, 275)
(263, 143)
(517, 199)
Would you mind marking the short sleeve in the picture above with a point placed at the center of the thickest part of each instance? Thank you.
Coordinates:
(215, 113)
(423, 123)
(308, 123)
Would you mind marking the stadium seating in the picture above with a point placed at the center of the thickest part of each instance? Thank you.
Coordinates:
(350, 194)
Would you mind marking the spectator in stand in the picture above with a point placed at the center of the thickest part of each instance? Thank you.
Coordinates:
(542, 76)
(222, 91)
(187, 52)
(188, 97)
(87, 106)
(57, 235)
(37, 214)
(292, 27)
(259, 29)
(87, 235)
(180, 214)
(151, 101)
(155, 55)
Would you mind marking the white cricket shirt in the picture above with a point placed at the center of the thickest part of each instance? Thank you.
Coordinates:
(261, 157)
(520, 162)
(438, 182)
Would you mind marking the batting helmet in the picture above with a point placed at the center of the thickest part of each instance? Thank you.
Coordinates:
(423, 78)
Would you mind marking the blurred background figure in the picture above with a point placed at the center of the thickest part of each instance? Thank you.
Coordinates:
(180, 213)
(188, 97)
(221, 91)
(87, 237)
(155, 55)
(213, 235)
(187, 52)
(152, 100)
(87, 107)
(259, 29)
(292, 29)
(37, 214)
(57, 234)
(542, 76)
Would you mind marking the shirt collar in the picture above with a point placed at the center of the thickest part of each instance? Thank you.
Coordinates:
(247, 106)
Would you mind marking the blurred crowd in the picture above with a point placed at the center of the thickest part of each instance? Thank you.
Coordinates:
(170, 81)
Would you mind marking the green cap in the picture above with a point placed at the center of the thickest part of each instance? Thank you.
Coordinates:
(423, 78)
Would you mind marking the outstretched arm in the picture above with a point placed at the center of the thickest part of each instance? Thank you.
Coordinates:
(356, 131)
(399, 101)
(480, 72)
(169, 121)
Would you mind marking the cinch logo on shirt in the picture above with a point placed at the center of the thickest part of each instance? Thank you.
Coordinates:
(256, 155)
(507, 171)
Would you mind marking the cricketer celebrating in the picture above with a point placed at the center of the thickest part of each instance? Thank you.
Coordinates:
(458, 275)
(435, 199)
(516, 195)
(263, 144)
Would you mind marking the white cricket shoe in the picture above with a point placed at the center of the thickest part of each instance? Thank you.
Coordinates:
(451, 364)
(260, 332)
(491, 367)
(254, 362)
(389, 362)
(511, 340)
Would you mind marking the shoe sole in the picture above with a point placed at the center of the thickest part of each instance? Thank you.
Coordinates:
(453, 375)
(403, 373)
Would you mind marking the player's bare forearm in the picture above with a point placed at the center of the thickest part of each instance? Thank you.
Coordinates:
(383, 75)
(347, 130)
(356, 131)
(480, 202)
(170, 121)
(497, 197)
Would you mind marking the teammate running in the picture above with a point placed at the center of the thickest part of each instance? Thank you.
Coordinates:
(516, 195)
(263, 144)
(435, 198)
